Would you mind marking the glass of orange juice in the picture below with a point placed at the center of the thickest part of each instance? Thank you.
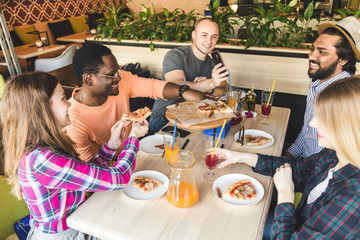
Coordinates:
(231, 99)
(170, 148)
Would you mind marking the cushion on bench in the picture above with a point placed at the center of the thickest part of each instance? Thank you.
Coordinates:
(22, 33)
(61, 28)
(79, 24)
(15, 39)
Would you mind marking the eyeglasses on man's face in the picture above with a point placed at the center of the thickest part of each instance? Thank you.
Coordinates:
(115, 76)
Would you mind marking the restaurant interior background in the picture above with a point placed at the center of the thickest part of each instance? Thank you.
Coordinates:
(22, 13)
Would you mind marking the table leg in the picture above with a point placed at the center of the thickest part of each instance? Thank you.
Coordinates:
(31, 63)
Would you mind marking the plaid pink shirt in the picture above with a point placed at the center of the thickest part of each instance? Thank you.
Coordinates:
(54, 185)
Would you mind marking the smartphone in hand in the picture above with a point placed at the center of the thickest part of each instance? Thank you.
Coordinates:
(217, 58)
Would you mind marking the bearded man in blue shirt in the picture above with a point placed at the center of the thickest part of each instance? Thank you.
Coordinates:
(332, 57)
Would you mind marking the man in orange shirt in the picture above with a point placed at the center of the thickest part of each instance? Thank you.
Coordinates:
(104, 97)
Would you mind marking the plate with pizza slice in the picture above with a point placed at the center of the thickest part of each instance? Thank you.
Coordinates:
(238, 189)
(153, 144)
(256, 139)
(146, 185)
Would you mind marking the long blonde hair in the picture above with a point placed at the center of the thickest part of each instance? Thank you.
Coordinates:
(337, 109)
(28, 121)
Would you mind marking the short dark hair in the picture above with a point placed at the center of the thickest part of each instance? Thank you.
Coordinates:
(202, 20)
(343, 50)
(88, 59)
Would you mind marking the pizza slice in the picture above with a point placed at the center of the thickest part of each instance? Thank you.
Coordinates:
(243, 189)
(137, 115)
(146, 184)
(253, 141)
(218, 106)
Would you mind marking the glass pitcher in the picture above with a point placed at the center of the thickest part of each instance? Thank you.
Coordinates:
(182, 191)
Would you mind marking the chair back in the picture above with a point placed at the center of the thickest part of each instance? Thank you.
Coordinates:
(50, 64)
(11, 209)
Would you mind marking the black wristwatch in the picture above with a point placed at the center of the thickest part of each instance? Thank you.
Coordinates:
(182, 89)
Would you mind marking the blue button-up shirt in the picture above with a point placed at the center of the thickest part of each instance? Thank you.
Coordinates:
(306, 144)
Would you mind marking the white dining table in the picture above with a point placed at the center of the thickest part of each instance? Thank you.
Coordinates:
(113, 215)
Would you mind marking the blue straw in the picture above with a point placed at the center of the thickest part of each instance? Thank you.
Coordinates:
(229, 80)
(173, 143)
(185, 81)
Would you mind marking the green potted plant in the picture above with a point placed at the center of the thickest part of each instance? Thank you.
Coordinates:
(278, 27)
(348, 12)
(224, 17)
(165, 26)
(109, 26)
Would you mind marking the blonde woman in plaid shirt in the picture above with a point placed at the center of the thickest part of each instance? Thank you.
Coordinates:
(329, 180)
(41, 163)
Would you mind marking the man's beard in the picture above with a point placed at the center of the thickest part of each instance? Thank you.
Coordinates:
(323, 73)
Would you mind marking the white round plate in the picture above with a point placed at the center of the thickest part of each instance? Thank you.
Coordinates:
(244, 114)
(147, 144)
(255, 132)
(137, 194)
(225, 181)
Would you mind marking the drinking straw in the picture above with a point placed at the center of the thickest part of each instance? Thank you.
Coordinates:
(271, 93)
(214, 137)
(217, 142)
(229, 80)
(173, 143)
(185, 81)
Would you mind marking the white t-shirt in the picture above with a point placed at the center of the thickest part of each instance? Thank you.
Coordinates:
(320, 188)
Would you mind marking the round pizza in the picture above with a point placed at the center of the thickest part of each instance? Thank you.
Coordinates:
(243, 189)
(137, 115)
(146, 184)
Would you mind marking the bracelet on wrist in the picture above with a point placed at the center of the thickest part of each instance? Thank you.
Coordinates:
(182, 89)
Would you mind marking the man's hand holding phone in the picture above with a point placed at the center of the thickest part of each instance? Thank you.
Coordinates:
(219, 74)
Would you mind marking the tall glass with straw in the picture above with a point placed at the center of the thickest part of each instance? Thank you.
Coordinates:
(266, 103)
(171, 143)
(211, 159)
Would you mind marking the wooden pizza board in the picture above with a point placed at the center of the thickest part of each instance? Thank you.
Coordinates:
(209, 125)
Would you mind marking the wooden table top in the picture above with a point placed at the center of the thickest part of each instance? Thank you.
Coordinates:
(30, 50)
(112, 215)
(77, 37)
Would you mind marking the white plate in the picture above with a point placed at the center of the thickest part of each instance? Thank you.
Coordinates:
(255, 132)
(147, 144)
(135, 193)
(225, 181)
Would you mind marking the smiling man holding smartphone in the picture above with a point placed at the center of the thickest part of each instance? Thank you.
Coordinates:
(194, 64)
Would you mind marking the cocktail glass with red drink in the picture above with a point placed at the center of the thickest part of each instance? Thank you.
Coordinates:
(266, 103)
(211, 161)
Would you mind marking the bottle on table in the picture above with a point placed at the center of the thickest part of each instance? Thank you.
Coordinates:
(250, 100)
